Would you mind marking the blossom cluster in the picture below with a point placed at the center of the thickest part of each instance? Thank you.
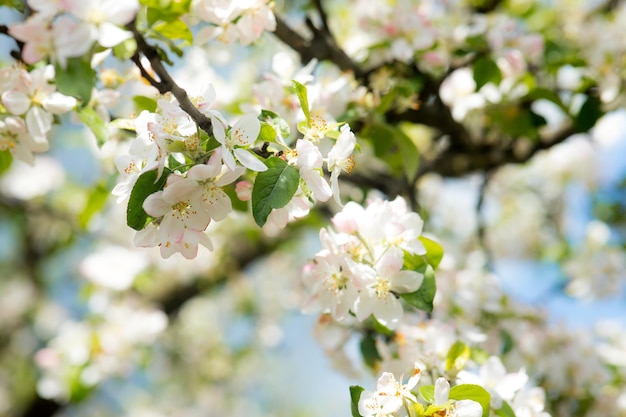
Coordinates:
(360, 268)
(232, 21)
(60, 30)
(83, 353)
(30, 101)
(195, 167)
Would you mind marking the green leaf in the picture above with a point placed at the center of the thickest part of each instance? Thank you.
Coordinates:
(355, 396)
(589, 113)
(77, 79)
(273, 188)
(427, 392)
(472, 392)
(507, 342)
(125, 50)
(14, 4)
(505, 410)
(145, 103)
(408, 152)
(369, 351)
(485, 71)
(304, 100)
(94, 122)
(268, 133)
(424, 296)
(147, 183)
(278, 123)
(434, 251)
(6, 159)
(174, 29)
(98, 197)
(457, 357)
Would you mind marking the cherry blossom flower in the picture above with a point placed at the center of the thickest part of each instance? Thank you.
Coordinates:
(244, 132)
(104, 18)
(211, 177)
(390, 395)
(340, 158)
(462, 408)
(182, 218)
(309, 161)
(15, 138)
(38, 99)
(384, 281)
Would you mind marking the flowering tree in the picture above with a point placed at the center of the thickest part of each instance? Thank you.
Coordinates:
(171, 170)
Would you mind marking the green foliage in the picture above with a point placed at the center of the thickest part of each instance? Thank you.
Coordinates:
(6, 159)
(94, 122)
(427, 392)
(301, 93)
(174, 29)
(457, 357)
(268, 133)
(147, 183)
(369, 351)
(13, 4)
(126, 49)
(273, 188)
(145, 103)
(96, 200)
(505, 410)
(278, 123)
(472, 392)
(421, 299)
(486, 71)
(77, 79)
(394, 147)
(589, 113)
(434, 251)
(355, 396)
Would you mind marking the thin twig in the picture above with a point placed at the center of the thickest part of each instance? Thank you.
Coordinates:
(166, 83)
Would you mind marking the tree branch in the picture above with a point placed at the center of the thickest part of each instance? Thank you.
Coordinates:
(166, 83)
(322, 46)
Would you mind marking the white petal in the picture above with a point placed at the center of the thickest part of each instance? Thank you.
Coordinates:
(58, 103)
(110, 35)
(155, 205)
(442, 391)
(38, 121)
(406, 281)
(468, 408)
(388, 311)
(317, 184)
(246, 130)
(16, 102)
(250, 161)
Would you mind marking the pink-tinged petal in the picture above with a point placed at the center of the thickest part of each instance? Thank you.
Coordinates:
(180, 189)
(146, 238)
(246, 130)
(346, 220)
(16, 102)
(219, 205)
(156, 206)
(202, 172)
(168, 249)
(171, 229)
(228, 176)
(442, 391)
(72, 39)
(406, 281)
(38, 121)
(248, 160)
(390, 263)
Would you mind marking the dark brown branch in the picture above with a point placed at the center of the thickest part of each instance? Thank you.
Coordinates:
(166, 83)
(323, 15)
(459, 161)
(322, 46)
